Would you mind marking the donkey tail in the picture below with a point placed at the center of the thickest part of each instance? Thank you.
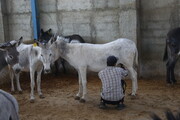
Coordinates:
(165, 53)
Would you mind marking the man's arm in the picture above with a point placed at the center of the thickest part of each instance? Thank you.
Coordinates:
(124, 72)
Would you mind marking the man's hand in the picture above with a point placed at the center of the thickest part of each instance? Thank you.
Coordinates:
(122, 66)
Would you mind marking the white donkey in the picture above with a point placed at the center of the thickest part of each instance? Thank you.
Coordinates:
(31, 59)
(8, 107)
(93, 57)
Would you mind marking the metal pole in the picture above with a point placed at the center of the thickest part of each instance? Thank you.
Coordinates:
(35, 19)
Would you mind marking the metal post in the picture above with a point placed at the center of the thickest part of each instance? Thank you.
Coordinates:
(35, 19)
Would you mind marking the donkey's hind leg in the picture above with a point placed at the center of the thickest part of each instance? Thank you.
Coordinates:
(133, 76)
(78, 95)
(63, 65)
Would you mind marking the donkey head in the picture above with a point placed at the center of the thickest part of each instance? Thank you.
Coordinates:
(12, 55)
(45, 36)
(174, 45)
(46, 56)
(58, 45)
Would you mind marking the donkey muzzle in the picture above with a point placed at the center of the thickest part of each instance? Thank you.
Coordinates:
(46, 71)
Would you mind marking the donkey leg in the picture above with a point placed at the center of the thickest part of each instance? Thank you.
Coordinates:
(12, 80)
(84, 84)
(56, 67)
(63, 65)
(170, 70)
(168, 75)
(32, 86)
(18, 83)
(78, 95)
(39, 84)
(133, 76)
(173, 80)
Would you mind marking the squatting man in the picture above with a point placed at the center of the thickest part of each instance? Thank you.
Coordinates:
(113, 87)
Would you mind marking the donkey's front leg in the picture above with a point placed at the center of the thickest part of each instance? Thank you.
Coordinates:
(11, 73)
(18, 83)
(39, 83)
(168, 71)
(84, 83)
(78, 95)
(173, 80)
(32, 85)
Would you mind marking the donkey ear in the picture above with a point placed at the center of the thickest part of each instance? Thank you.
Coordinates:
(155, 117)
(7, 45)
(19, 41)
(42, 31)
(3, 47)
(169, 115)
(49, 31)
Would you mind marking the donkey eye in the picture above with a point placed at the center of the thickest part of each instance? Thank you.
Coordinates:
(41, 55)
(10, 56)
(50, 54)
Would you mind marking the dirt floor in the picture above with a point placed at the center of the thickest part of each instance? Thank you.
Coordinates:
(59, 104)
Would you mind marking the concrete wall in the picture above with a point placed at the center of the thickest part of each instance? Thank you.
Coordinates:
(157, 17)
(144, 21)
(98, 21)
(17, 19)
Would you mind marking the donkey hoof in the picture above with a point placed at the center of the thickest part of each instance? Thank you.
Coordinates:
(133, 96)
(41, 96)
(82, 101)
(32, 100)
(20, 92)
(77, 98)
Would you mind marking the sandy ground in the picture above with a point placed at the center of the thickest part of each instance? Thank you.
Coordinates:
(59, 104)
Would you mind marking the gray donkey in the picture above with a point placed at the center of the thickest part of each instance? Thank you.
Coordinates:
(9, 56)
(8, 107)
(171, 54)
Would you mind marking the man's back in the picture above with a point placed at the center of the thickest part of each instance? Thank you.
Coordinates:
(111, 83)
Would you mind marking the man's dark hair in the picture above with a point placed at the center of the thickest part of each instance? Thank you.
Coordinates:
(111, 61)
